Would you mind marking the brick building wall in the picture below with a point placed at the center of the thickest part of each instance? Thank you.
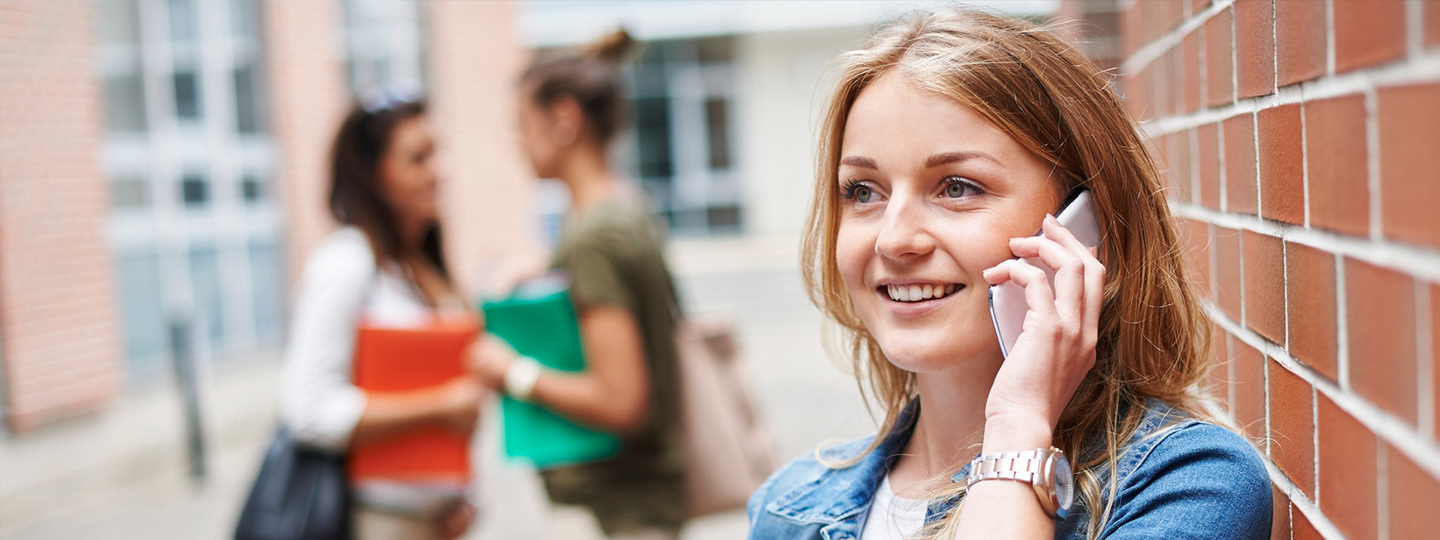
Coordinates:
(309, 98)
(487, 189)
(1299, 139)
(59, 326)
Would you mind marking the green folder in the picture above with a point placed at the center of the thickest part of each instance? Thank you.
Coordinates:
(539, 322)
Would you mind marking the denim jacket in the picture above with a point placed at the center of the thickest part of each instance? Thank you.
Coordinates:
(1179, 478)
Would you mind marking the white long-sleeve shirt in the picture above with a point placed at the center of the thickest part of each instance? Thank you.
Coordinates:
(339, 288)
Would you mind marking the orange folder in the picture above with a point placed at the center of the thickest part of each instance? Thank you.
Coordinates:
(403, 359)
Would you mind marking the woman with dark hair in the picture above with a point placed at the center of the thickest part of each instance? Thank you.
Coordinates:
(569, 112)
(384, 266)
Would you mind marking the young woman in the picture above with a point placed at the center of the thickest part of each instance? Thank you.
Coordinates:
(950, 140)
(569, 112)
(383, 266)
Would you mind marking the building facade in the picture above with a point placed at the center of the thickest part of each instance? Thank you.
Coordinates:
(164, 163)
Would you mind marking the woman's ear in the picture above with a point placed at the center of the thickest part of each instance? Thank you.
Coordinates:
(567, 121)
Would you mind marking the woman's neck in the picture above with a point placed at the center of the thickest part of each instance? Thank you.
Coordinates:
(587, 174)
(950, 428)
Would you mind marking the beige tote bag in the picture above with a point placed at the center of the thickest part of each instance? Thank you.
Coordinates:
(727, 447)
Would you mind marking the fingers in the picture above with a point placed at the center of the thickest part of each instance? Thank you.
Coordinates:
(1038, 296)
(1094, 274)
(1069, 286)
(1079, 278)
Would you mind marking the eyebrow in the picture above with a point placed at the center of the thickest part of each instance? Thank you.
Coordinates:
(953, 157)
(931, 162)
(859, 161)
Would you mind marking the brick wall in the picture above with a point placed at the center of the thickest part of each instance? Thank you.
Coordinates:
(487, 189)
(58, 318)
(1299, 139)
(309, 99)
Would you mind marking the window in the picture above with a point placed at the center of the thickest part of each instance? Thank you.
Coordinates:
(187, 95)
(194, 190)
(247, 115)
(124, 102)
(266, 279)
(205, 292)
(129, 192)
(251, 189)
(142, 306)
(683, 121)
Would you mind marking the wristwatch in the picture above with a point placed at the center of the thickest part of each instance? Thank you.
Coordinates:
(1046, 469)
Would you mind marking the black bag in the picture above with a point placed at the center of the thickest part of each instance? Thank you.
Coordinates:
(299, 494)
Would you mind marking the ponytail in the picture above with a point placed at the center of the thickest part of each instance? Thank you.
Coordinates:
(590, 75)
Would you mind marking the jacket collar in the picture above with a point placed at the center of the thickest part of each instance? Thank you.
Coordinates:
(838, 499)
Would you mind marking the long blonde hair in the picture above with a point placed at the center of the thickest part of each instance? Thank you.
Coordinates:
(1153, 336)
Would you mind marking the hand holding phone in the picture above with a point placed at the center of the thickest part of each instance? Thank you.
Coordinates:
(1007, 300)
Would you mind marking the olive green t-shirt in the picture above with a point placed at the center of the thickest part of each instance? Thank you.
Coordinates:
(613, 255)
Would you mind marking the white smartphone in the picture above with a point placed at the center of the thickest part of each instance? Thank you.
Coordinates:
(1007, 300)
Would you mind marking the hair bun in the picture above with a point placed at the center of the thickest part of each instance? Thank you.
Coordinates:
(613, 47)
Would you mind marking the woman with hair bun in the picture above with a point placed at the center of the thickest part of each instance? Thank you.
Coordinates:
(571, 108)
(950, 139)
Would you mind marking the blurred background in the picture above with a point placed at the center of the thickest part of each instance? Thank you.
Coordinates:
(163, 173)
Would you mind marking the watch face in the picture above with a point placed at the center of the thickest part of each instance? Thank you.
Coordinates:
(1064, 483)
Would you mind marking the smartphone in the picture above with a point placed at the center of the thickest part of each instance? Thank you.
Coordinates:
(1007, 300)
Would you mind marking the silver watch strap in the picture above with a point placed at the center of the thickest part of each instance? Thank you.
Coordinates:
(1025, 466)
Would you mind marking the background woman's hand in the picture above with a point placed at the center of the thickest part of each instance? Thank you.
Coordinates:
(1056, 346)
(490, 357)
(460, 401)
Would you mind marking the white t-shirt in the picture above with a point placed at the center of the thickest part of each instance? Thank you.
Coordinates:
(892, 517)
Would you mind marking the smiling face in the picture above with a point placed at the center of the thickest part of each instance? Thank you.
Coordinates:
(930, 194)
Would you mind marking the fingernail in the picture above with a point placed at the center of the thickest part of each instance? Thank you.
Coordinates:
(1050, 218)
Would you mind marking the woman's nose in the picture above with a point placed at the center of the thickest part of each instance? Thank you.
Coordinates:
(904, 231)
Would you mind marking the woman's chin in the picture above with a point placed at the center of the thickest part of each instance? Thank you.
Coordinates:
(918, 355)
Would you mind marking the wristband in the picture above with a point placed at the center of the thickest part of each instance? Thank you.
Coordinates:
(521, 376)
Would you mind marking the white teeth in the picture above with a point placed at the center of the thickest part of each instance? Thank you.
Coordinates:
(916, 293)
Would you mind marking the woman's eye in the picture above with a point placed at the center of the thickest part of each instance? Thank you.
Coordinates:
(858, 191)
(956, 188)
(863, 194)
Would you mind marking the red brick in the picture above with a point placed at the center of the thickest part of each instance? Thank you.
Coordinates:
(1240, 164)
(1414, 496)
(1337, 159)
(1227, 270)
(1181, 169)
(1368, 32)
(1208, 156)
(1190, 67)
(1280, 514)
(1301, 527)
(1380, 313)
(1435, 348)
(1409, 178)
(1432, 23)
(1310, 297)
(1282, 164)
(1219, 67)
(1248, 374)
(1347, 471)
(1220, 367)
(1292, 427)
(1265, 285)
(1195, 244)
(1255, 47)
(1300, 39)
(1132, 29)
